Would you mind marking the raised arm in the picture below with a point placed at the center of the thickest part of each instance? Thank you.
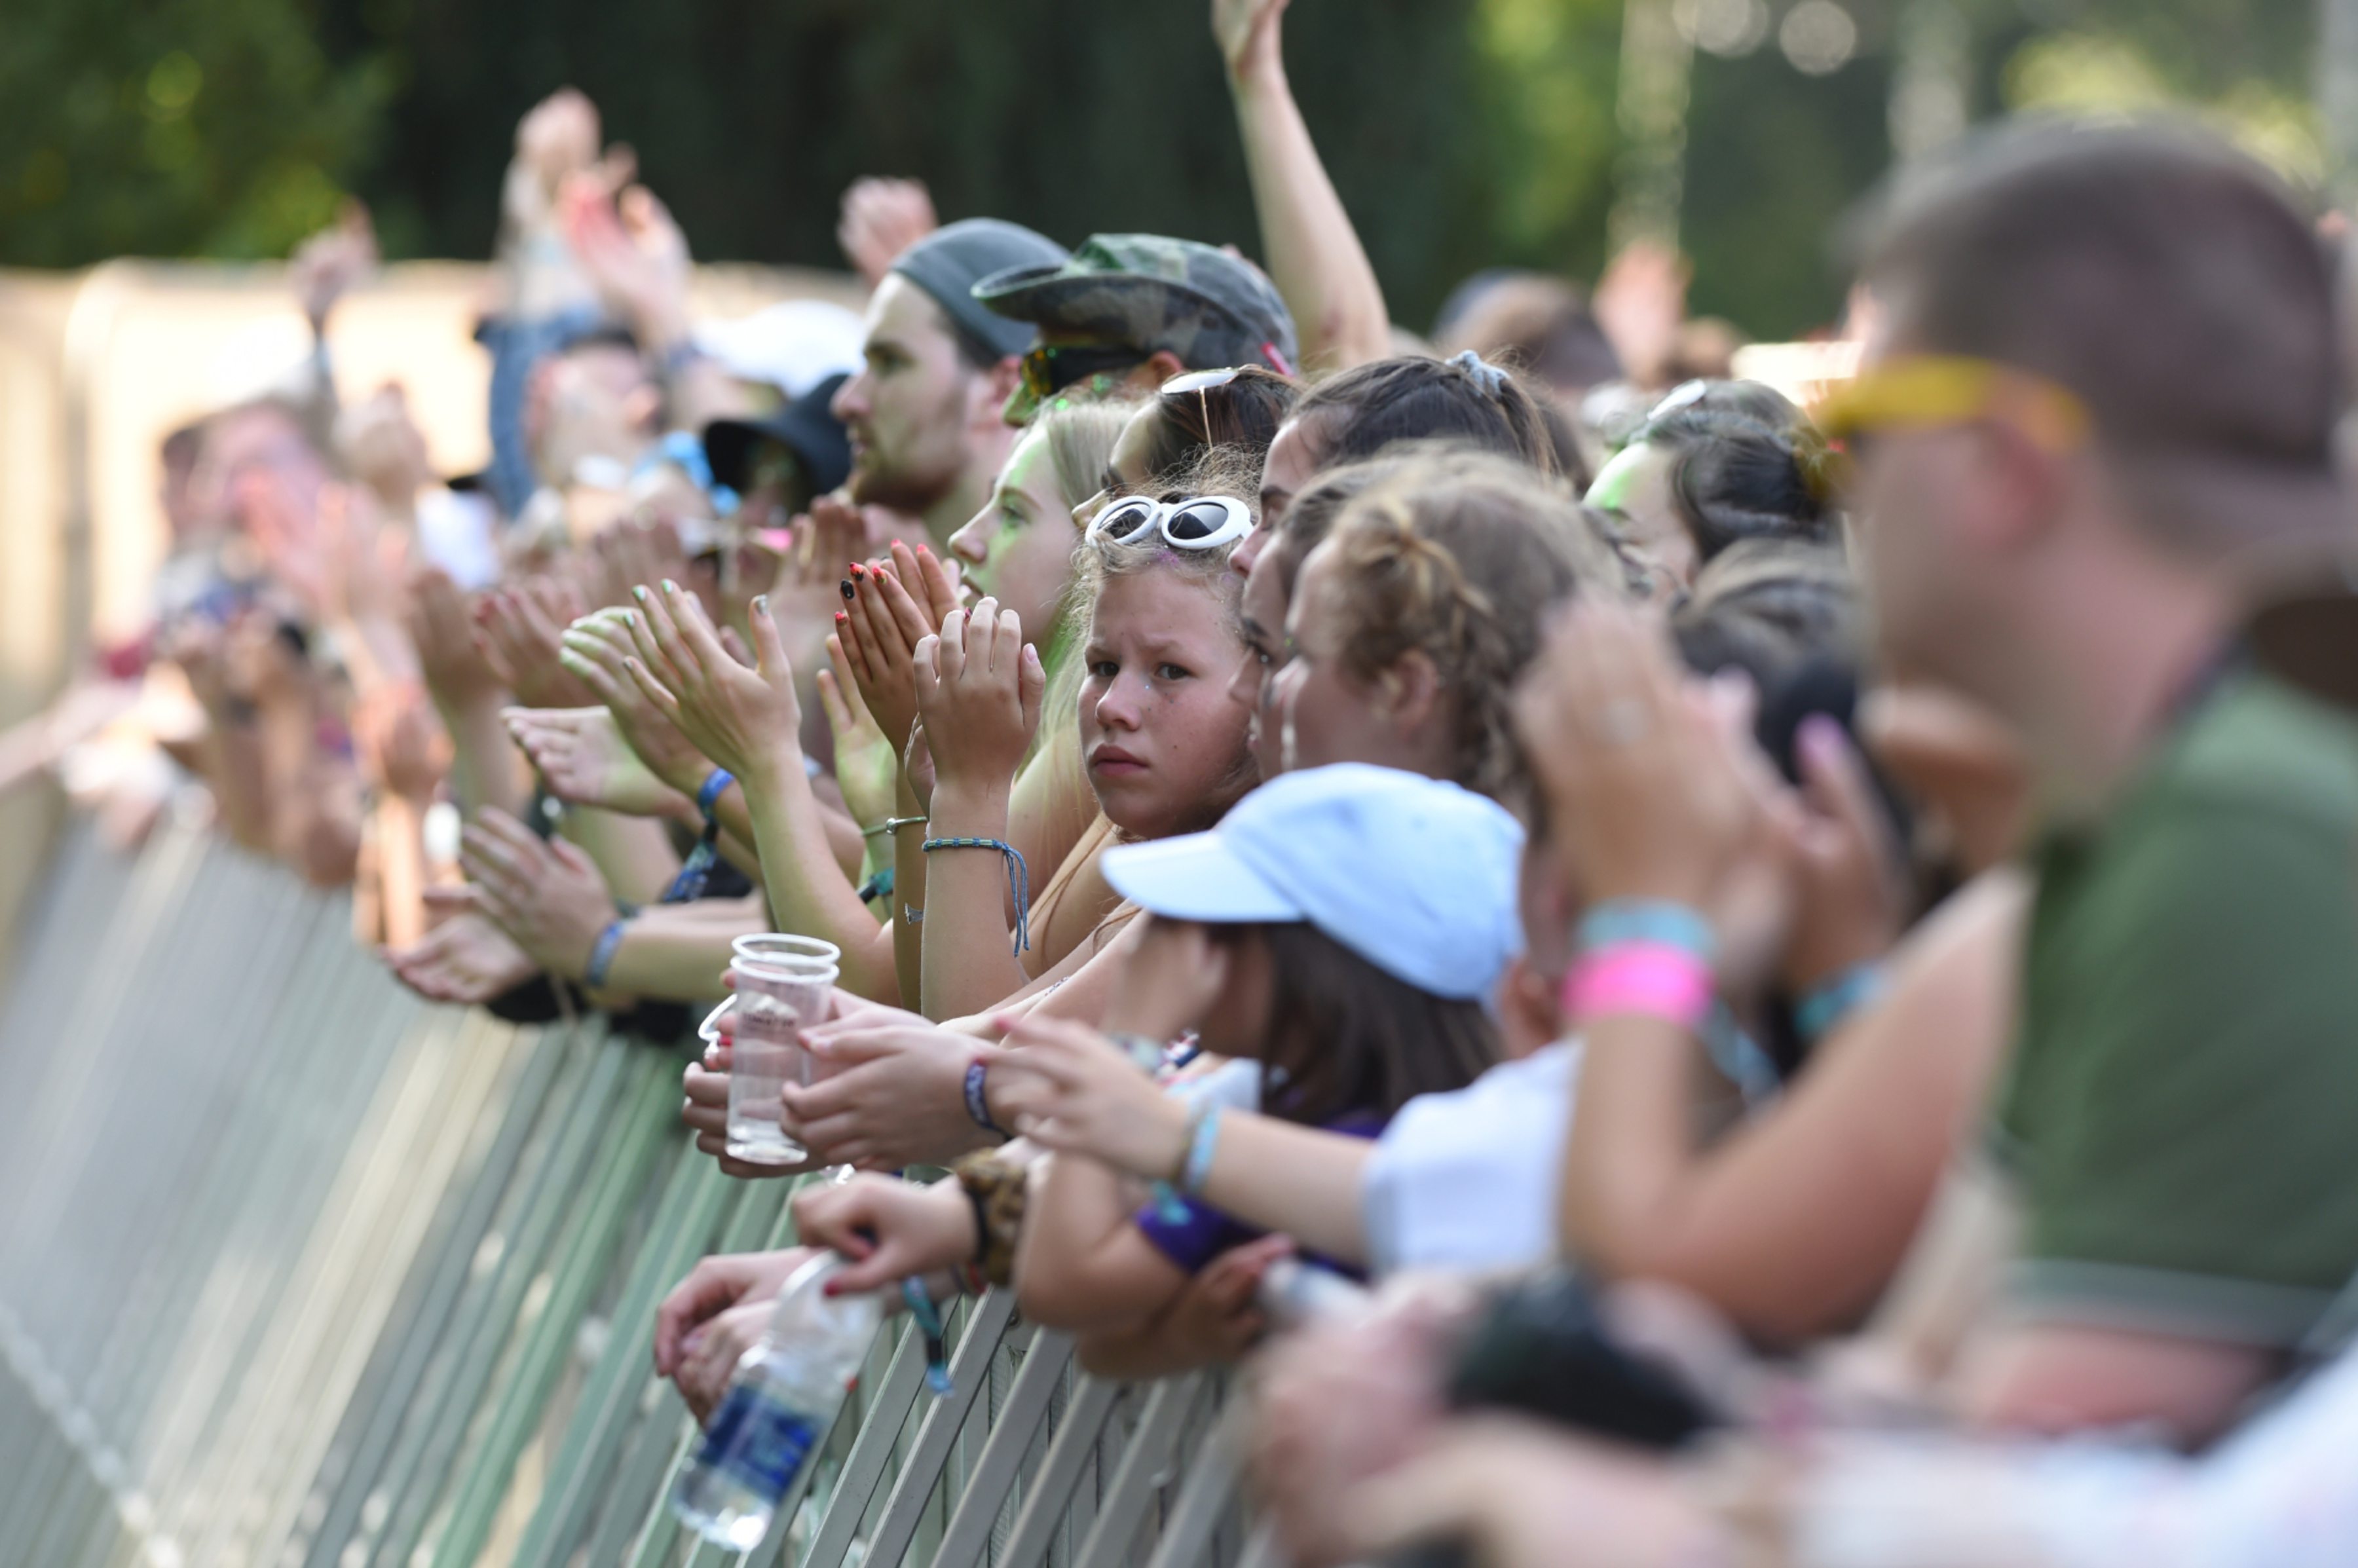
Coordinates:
(978, 687)
(1314, 255)
(747, 721)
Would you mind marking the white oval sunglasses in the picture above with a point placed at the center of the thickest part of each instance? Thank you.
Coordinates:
(1202, 523)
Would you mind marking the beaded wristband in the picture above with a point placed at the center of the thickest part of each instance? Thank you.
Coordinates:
(602, 953)
(977, 1102)
(1656, 920)
(1019, 879)
(1654, 979)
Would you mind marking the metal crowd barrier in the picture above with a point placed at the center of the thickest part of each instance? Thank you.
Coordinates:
(298, 1271)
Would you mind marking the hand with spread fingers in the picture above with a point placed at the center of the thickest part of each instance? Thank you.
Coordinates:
(632, 551)
(466, 960)
(441, 625)
(1071, 1089)
(888, 611)
(599, 649)
(1644, 801)
(401, 745)
(881, 217)
(979, 687)
(523, 630)
(546, 893)
(580, 754)
(888, 1230)
(746, 719)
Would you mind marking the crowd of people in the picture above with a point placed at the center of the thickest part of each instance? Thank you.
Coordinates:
(1801, 962)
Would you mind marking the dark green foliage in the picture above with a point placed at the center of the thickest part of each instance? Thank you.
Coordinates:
(1461, 132)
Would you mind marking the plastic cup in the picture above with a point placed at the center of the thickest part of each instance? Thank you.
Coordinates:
(782, 983)
(777, 950)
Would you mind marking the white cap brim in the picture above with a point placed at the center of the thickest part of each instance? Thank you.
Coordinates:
(1195, 877)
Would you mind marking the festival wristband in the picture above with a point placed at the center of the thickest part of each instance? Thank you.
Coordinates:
(709, 793)
(602, 953)
(1827, 1004)
(1654, 920)
(978, 1101)
(1653, 978)
(1019, 879)
(1202, 1142)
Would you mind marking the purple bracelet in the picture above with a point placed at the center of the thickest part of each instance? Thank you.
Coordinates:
(978, 1104)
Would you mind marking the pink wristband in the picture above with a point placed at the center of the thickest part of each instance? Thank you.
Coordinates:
(1655, 978)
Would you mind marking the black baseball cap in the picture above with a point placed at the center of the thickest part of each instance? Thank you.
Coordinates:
(806, 426)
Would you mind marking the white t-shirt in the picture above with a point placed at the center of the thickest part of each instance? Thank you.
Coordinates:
(1467, 1180)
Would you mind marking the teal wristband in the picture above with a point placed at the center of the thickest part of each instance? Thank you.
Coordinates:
(1619, 920)
(1203, 1141)
(1828, 1003)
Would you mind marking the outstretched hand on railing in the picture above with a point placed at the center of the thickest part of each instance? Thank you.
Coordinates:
(712, 1317)
(888, 1230)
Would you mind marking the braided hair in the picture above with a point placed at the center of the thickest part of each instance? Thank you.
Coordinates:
(1459, 555)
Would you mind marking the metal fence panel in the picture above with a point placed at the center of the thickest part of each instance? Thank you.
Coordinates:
(298, 1271)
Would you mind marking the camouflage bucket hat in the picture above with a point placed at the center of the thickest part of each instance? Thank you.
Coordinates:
(1210, 308)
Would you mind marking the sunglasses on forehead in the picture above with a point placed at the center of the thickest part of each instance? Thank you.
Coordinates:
(1203, 523)
(1051, 367)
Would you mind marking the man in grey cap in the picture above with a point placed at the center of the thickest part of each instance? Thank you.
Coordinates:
(1133, 311)
(921, 413)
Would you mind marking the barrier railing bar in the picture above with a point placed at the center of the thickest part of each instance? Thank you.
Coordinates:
(967, 1535)
(574, 1122)
(648, 1117)
(1145, 1466)
(921, 1470)
(350, 1473)
(1075, 1442)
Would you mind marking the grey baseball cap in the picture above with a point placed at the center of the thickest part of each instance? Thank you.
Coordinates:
(1210, 308)
(948, 262)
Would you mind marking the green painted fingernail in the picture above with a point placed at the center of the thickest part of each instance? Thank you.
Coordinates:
(670, 587)
(639, 594)
(761, 602)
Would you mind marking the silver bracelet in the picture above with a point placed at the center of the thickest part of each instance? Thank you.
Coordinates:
(892, 824)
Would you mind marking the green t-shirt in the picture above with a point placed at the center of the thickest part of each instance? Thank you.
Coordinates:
(2180, 1117)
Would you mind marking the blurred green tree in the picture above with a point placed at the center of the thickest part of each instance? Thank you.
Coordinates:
(211, 127)
(1461, 134)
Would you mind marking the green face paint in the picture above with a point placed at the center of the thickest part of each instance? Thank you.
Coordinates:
(1609, 490)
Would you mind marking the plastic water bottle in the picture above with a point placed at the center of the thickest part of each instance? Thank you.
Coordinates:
(1293, 1293)
(781, 1400)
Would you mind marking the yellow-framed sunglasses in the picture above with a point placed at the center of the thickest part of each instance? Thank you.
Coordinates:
(1924, 392)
